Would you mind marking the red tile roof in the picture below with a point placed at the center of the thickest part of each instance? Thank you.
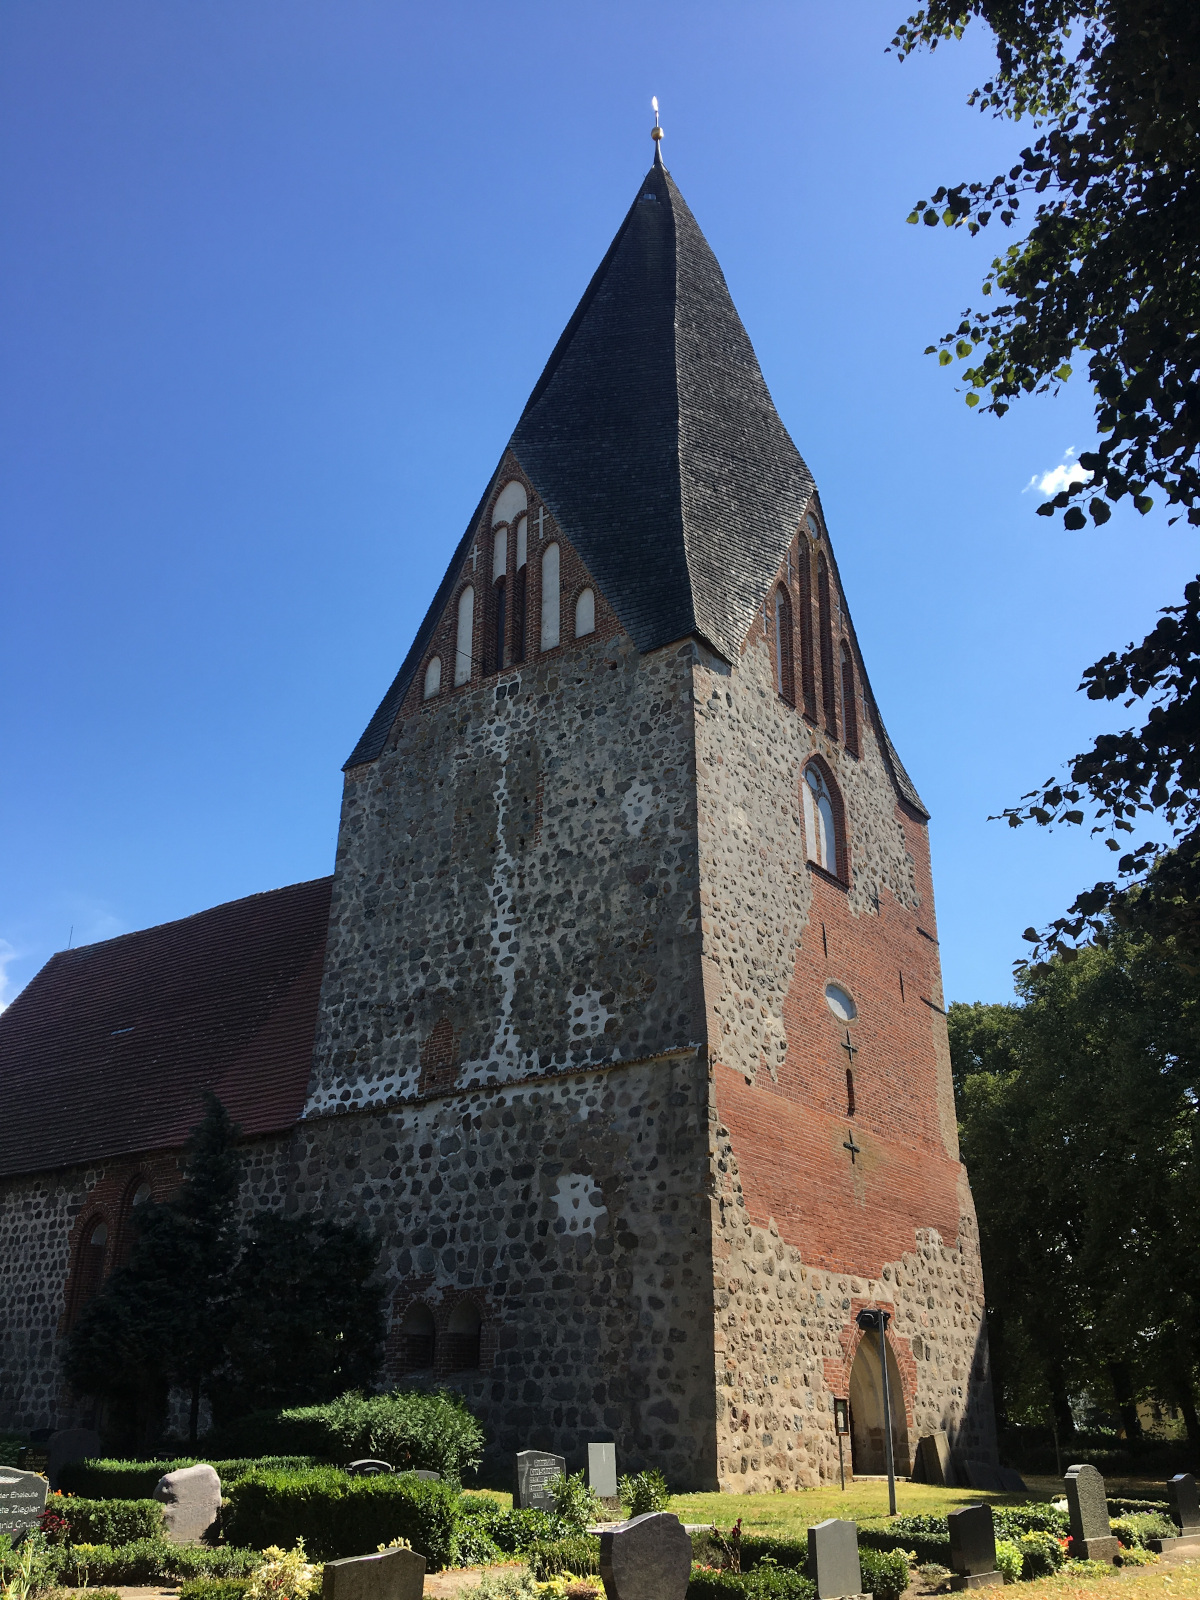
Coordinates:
(108, 1049)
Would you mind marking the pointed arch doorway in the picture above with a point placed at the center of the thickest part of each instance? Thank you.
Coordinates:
(867, 1449)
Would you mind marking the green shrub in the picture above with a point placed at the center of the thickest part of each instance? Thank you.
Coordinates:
(578, 1553)
(1136, 1556)
(211, 1589)
(11, 1445)
(107, 1521)
(757, 1548)
(1009, 1560)
(1041, 1554)
(1012, 1521)
(149, 1561)
(884, 1573)
(518, 1584)
(512, 1531)
(1141, 1526)
(643, 1492)
(104, 1479)
(337, 1515)
(764, 1583)
(475, 1546)
(928, 1538)
(409, 1428)
(575, 1502)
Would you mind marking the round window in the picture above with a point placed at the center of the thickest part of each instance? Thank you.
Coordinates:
(840, 1003)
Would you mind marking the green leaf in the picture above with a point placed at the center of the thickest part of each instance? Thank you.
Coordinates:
(1074, 519)
(972, 399)
(944, 358)
(1063, 373)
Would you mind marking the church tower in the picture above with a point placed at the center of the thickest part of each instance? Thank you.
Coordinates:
(631, 1039)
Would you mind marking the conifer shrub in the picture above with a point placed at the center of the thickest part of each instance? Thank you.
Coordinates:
(106, 1521)
(337, 1515)
(108, 1479)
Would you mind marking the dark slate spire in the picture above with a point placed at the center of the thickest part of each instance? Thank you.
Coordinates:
(653, 439)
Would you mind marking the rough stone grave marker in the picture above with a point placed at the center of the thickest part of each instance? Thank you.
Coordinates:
(67, 1445)
(933, 1459)
(647, 1558)
(387, 1575)
(602, 1470)
(833, 1563)
(191, 1502)
(536, 1471)
(1091, 1533)
(973, 1548)
(22, 1499)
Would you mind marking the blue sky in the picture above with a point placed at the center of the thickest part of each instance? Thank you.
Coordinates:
(275, 280)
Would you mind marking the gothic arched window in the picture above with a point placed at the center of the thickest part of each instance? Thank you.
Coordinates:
(464, 646)
(785, 675)
(821, 820)
(418, 1338)
(551, 599)
(90, 1258)
(585, 613)
(849, 706)
(463, 1337)
(433, 677)
(825, 620)
(520, 593)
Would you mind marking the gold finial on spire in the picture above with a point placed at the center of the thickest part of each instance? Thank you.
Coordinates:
(656, 132)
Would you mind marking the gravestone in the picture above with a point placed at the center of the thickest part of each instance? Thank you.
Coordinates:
(647, 1558)
(1091, 1533)
(602, 1470)
(1012, 1480)
(833, 1563)
(368, 1467)
(536, 1471)
(22, 1499)
(933, 1459)
(426, 1476)
(67, 1445)
(386, 1575)
(1185, 1508)
(982, 1475)
(1185, 1513)
(191, 1502)
(973, 1548)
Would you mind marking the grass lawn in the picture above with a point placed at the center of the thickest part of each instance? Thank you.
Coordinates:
(1142, 1583)
(789, 1515)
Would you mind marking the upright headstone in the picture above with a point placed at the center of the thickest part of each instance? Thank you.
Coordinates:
(647, 1558)
(833, 1563)
(1185, 1513)
(1185, 1508)
(1012, 1480)
(22, 1500)
(67, 1445)
(973, 1548)
(933, 1459)
(536, 1471)
(368, 1467)
(602, 1470)
(982, 1475)
(386, 1575)
(1091, 1533)
(191, 1502)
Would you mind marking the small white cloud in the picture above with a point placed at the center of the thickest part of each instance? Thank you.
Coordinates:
(1060, 477)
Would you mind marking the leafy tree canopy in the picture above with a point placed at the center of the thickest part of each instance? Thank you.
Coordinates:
(1108, 269)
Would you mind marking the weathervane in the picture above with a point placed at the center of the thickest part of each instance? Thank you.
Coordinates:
(656, 132)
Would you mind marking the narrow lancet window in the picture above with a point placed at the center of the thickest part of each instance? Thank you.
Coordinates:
(808, 675)
(433, 677)
(551, 603)
(820, 825)
(849, 706)
(520, 593)
(825, 619)
(496, 653)
(585, 613)
(785, 675)
(464, 646)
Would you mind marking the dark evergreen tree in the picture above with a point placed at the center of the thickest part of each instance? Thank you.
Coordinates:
(307, 1323)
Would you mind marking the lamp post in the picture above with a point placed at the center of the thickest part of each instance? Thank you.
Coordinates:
(877, 1321)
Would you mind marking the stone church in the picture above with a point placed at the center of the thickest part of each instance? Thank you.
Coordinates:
(620, 1018)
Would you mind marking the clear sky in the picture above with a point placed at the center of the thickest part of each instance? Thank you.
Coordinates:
(276, 277)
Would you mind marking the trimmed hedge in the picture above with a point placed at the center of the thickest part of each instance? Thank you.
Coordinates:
(147, 1561)
(104, 1479)
(107, 1521)
(765, 1583)
(337, 1515)
(578, 1554)
(917, 1535)
(211, 1589)
(789, 1553)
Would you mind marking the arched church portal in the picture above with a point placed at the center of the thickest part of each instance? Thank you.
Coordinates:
(867, 1450)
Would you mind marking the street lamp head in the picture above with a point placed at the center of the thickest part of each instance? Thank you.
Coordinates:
(872, 1321)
